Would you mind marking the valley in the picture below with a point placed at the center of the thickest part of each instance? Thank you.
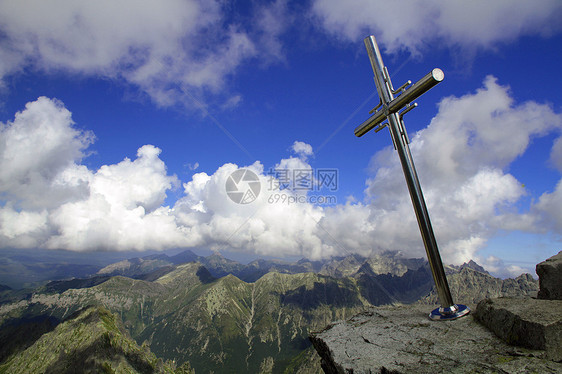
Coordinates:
(220, 316)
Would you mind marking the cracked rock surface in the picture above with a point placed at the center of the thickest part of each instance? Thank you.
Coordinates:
(401, 339)
(526, 322)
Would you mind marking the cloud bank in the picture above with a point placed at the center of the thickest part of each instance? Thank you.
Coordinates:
(413, 25)
(463, 159)
(170, 49)
(49, 199)
(186, 51)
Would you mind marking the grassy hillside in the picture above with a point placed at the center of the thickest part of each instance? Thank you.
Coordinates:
(91, 341)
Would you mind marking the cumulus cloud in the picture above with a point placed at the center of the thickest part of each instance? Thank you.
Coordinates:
(164, 47)
(123, 210)
(411, 25)
(267, 226)
(22, 229)
(462, 158)
(50, 200)
(35, 150)
(302, 149)
(53, 201)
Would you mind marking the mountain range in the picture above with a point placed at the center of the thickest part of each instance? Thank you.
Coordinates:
(216, 315)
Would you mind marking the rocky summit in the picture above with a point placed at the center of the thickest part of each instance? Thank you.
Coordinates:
(401, 339)
(505, 334)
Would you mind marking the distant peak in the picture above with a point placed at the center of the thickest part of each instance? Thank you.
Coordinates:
(186, 274)
(474, 266)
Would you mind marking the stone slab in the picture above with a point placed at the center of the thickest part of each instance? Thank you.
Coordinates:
(526, 322)
(550, 278)
(402, 339)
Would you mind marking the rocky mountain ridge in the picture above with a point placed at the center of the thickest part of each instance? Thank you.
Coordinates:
(388, 262)
(92, 340)
(185, 313)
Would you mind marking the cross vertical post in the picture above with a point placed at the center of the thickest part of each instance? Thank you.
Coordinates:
(389, 109)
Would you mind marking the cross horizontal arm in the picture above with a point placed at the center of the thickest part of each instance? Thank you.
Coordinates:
(431, 79)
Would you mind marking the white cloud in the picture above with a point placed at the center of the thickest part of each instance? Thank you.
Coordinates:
(123, 210)
(271, 22)
(497, 267)
(263, 227)
(121, 206)
(556, 154)
(192, 167)
(95, 224)
(139, 183)
(22, 229)
(164, 47)
(302, 149)
(488, 130)
(461, 161)
(460, 157)
(35, 150)
(412, 25)
(52, 201)
(548, 210)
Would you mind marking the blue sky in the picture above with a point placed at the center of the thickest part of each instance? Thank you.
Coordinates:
(122, 122)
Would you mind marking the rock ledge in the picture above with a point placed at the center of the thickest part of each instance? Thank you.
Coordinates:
(401, 339)
(526, 322)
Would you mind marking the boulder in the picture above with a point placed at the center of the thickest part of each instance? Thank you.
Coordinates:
(526, 322)
(550, 278)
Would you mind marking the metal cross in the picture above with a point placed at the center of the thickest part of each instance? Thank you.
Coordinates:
(389, 109)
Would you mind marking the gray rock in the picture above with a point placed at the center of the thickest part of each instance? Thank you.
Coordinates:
(401, 339)
(526, 322)
(550, 278)
(470, 287)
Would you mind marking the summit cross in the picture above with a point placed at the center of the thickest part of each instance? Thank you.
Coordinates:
(388, 109)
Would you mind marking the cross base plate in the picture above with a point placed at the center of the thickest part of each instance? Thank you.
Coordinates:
(450, 313)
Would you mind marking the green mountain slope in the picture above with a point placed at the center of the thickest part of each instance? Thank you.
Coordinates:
(227, 325)
(231, 326)
(91, 341)
(221, 325)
